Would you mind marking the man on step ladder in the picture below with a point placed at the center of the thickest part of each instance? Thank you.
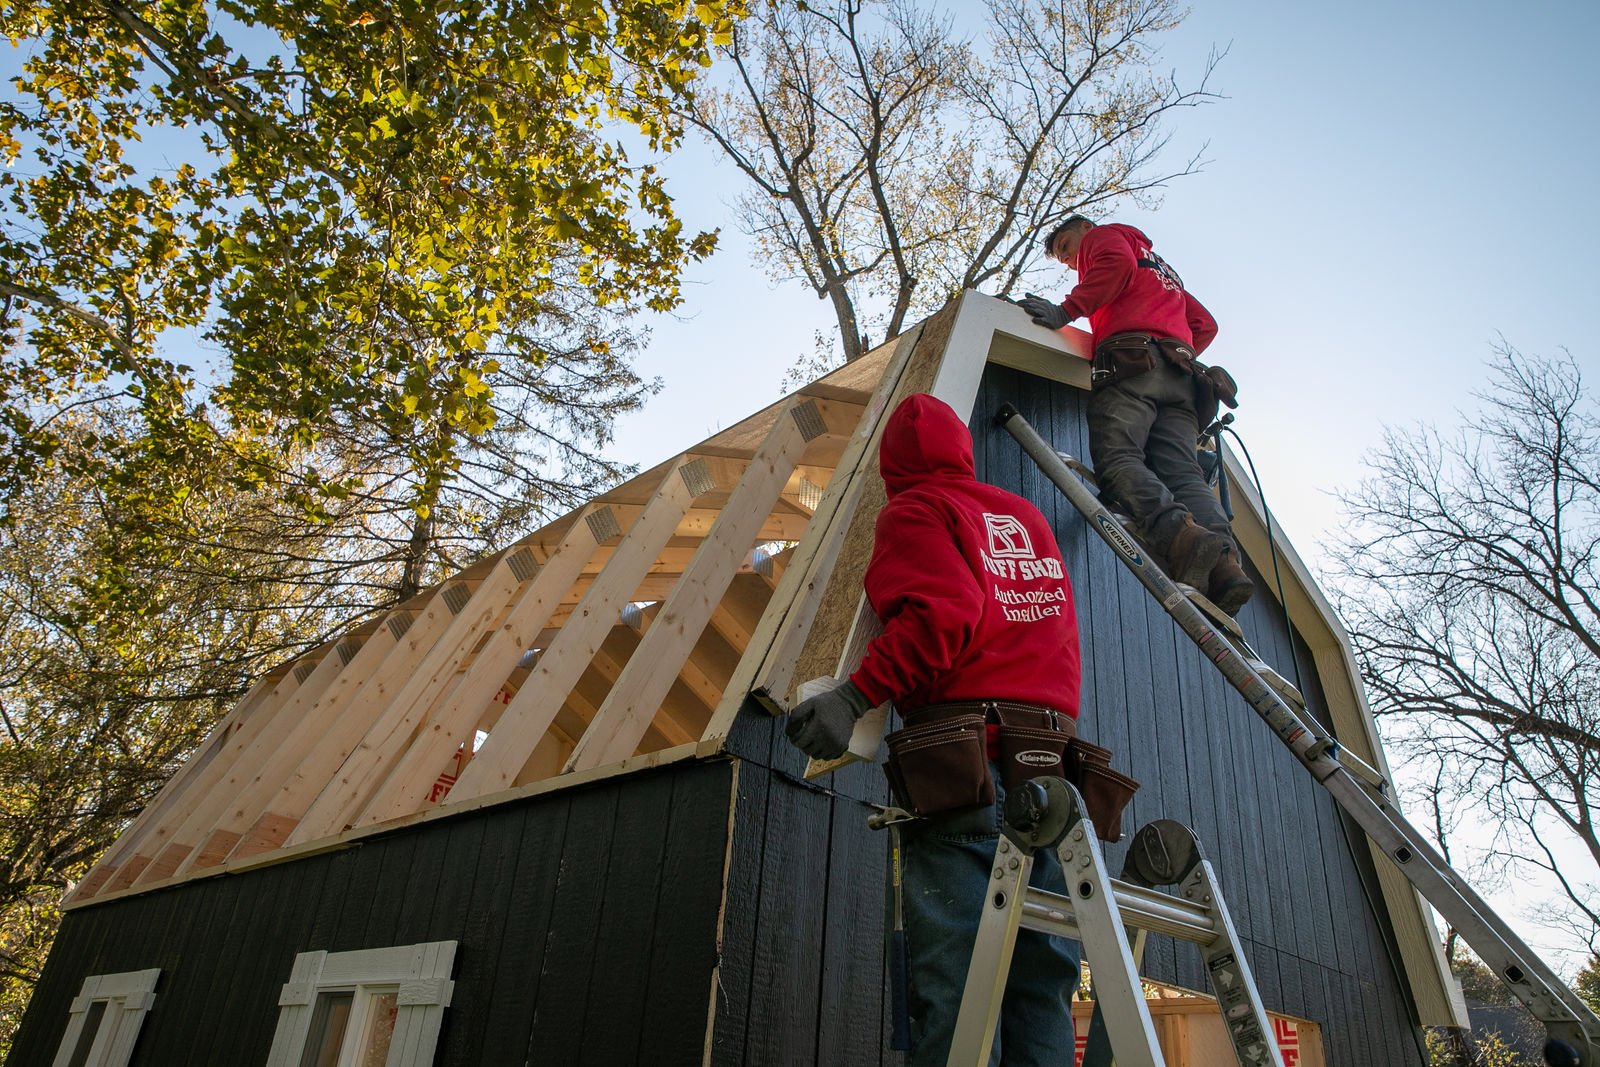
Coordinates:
(979, 653)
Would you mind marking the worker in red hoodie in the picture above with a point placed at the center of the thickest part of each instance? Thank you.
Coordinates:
(1143, 423)
(979, 635)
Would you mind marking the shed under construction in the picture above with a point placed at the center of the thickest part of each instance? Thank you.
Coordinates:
(532, 815)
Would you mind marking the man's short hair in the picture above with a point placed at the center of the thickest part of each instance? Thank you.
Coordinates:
(1049, 239)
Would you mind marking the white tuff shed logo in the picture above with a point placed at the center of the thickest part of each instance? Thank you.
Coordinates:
(1007, 537)
(1035, 757)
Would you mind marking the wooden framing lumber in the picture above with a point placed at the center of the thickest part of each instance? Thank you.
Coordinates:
(369, 761)
(680, 718)
(243, 827)
(782, 624)
(218, 826)
(304, 766)
(453, 719)
(269, 721)
(627, 712)
(529, 715)
(177, 787)
(708, 666)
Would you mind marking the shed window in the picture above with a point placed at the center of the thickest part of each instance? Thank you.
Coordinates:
(379, 1007)
(104, 1020)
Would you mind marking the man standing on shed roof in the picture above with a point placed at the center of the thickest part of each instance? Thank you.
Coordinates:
(1143, 420)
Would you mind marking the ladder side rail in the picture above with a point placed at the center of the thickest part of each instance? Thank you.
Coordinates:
(1232, 982)
(1538, 987)
(982, 996)
(1119, 992)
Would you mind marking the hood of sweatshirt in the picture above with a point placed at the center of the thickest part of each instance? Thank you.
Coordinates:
(924, 439)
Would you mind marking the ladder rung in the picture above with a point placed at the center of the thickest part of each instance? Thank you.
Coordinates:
(1140, 908)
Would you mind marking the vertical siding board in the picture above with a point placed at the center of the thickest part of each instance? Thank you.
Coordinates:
(528, 906)
(684, 953)
(586, 863)
(356, 902)
(325, 915)
(622, 950)
(1299, 791)
(456, 878)
(393, 867)
(852, 1008)
(415, 890)
(482, 942)
(196, 971)
(787, 966)
(239, 943)
(742, 916)
(252, 1008)
(1224, 715)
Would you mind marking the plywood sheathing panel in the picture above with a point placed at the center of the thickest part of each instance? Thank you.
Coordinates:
(836, 605)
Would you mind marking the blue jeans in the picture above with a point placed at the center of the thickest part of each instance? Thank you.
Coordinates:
(945, 882)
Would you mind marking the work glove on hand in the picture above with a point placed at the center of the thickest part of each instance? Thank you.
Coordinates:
(1044, 312)
(821, 727)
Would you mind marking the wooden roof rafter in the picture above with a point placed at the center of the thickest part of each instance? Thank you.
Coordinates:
(365, 731)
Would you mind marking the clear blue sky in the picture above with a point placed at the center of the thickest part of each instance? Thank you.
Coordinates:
(1392, 187)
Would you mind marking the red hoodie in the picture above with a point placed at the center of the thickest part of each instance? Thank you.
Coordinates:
(967, 579)
(1119, 296)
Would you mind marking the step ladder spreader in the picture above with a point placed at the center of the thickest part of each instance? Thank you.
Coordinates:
(1099, 911)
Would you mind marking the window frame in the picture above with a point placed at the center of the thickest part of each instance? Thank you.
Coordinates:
(128, 996)
(419, 974)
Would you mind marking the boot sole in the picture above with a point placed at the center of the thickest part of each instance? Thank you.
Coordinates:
(1233, 597)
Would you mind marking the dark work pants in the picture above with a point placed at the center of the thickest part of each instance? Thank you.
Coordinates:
(1142, 434)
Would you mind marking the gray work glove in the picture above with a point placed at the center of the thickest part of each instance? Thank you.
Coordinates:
(1044, 312)
(821, 727)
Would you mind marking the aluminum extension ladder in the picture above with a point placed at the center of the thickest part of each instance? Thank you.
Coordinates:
(1049, 813)
(1573, 1030)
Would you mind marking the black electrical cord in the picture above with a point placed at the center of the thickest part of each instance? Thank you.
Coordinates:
(1272, 544)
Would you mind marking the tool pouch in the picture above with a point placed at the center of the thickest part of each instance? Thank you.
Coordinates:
(1213, 386)
(1105, 791)
(1033, 742)
(938, 762)
(1121, 357)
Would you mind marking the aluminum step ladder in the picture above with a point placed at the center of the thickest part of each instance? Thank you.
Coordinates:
(1573, 1030)
(1099, 911)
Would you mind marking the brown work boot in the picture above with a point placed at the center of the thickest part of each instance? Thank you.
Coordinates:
(1228, 586)
(1193, 552)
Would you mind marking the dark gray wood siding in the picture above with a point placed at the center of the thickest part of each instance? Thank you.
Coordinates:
(587, 924)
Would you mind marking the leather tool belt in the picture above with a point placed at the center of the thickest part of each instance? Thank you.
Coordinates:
(1128, 355)
(939, 763)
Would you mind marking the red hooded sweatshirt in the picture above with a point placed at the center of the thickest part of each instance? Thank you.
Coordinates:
(967, 579)
(1120, 296)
